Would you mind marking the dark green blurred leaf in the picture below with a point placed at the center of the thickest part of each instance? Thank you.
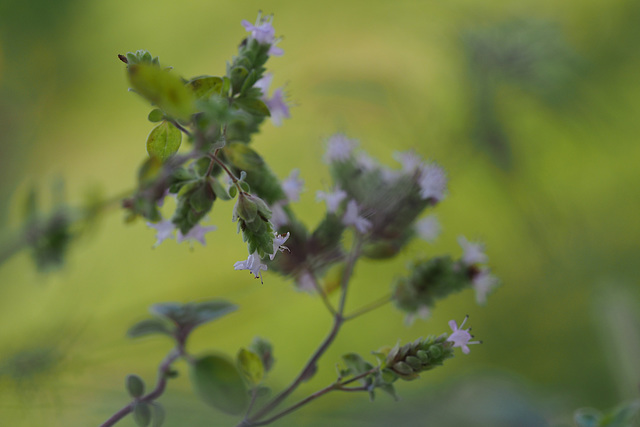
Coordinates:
(219, 384)
(134, 385)
(142, 414)
(158, 415)
(211, 310)
(149, 327)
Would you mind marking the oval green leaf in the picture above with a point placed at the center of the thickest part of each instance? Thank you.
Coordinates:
(142, 414)
(156, 115)
(135, 385)
(164, 141)
(219, 384)
(148, 327)
(250, 366)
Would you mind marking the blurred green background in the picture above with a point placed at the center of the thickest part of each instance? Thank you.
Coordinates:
(530, 106)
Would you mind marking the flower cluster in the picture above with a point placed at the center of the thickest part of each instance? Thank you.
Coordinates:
(474, 260)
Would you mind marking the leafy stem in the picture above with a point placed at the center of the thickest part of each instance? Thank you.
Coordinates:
(310, 367)
(163, 376)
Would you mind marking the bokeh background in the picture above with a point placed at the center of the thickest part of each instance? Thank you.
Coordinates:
(531, 107)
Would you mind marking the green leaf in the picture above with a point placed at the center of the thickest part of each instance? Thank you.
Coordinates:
(148, 327)
(221, 192)
(356, 363)
(156, 115)
(164, 141)
(158, 414)
(134, 385)
(264, 349)
(162, 88)
(142, 414)
(238, 75)
(253, 106)
(205, 86)
(211, 310)
(219, 384)
(250, 365)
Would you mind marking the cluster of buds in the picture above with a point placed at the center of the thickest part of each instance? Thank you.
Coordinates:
(409, 360)
(435, 278)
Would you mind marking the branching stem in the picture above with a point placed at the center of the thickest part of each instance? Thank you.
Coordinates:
(163, 370)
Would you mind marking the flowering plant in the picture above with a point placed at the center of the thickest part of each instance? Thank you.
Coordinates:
(372, 211)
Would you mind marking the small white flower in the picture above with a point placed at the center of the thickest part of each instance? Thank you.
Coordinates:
(409, 160)
(432, 182)
(461, 337)
(196, 233)
(164, 230)
(278, 240)
(484, 282)
(293, 186)
(332, 199)
(253, 264)
(472, 253)
(339, 148)
(428, 228)
(352, 217)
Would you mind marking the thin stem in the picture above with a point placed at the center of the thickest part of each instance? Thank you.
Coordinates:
(226, 169)
(310, 366)
(181, 128)
(337, 386)
(163, 369)
(322, 293)
(370, 307)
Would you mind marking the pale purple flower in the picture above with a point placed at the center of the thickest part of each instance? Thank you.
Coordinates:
(352, 217)
(484, 282)
(293, 186)
(278, 107)
(332, 199)
(365, 161)
(275, 50)
(472, 253)
(253, 263)
(262, 32)
(196, 233)
(422, 312)
(428, 228)
(164, 230)
(278, 240)
(409, 160)
(461, 337)
(339, 148)
(432, 182)
(278, 215)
